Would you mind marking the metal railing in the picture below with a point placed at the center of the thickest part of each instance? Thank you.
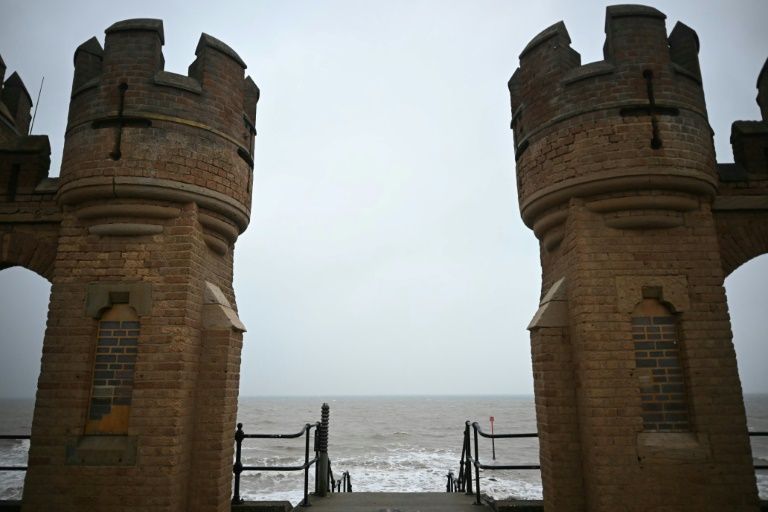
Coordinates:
(238, 468)
(759, 434)
(342, 485)
(463, 483)
(324, 479)
(13, 438)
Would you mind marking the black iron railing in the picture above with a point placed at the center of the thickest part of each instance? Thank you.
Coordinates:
(469, 461)
(344, 484)
(13, 438)
(463, 483)
(324, 479)
(759, 434)
(238, 468)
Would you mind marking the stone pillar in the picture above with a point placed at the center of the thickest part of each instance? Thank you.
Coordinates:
(137, 395)
(638, 398)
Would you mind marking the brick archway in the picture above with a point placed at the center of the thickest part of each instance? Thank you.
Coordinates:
(29, 251)
(743, 236)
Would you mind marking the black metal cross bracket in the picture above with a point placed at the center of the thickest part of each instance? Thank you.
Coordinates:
(120, 121)
(652, 109)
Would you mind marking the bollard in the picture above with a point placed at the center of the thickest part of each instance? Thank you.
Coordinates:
(322, 455)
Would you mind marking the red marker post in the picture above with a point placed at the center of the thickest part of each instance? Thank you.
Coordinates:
(493, 441)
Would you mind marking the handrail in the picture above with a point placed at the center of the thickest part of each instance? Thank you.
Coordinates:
(238, 467)
(324, 479)
(280, 436)
(11, 437)
(502, 436)
(344, 484)
(464, 482)
(759, 434)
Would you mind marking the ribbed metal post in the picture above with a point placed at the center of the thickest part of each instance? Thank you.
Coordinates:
(322, 455)
(238, 467)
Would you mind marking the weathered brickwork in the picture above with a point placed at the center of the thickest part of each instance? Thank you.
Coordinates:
(638, 398)
(662, 384)
(113, 372)
(137, 396)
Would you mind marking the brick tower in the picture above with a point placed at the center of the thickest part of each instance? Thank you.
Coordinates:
(638, 399)
(137, 395)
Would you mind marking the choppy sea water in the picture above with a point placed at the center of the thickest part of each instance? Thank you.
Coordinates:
(386, 443)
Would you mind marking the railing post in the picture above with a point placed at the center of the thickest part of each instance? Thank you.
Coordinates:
(238, 467)
(321, 489)
(316, 448)
(332, 481)
(468, 465)
(306, 503)
(477, 469)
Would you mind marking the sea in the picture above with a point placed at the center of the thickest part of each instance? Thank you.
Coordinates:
(394, 444)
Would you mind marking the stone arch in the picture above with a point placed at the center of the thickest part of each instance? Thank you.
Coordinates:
(745, 287)
(742, 237)
(24, 297)
(29, 251)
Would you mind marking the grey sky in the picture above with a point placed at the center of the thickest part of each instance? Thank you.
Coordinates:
(385, 253)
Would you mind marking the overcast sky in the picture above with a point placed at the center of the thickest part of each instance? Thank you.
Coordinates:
(385, 253)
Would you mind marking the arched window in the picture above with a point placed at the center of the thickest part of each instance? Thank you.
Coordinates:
(663, 396)
(113, 370)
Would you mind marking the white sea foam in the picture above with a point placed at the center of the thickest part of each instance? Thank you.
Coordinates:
(12, 453)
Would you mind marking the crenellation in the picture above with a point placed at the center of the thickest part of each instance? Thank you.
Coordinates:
(635, 36)
(18, 102)
(762, 91)
(684, 50)
(251, 95)
(132, 51)
(88, 60)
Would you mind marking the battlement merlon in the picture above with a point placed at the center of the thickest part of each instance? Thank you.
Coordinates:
(551, 83)
(15, 104)
(749, 140)
(212, 93)
(762, 91)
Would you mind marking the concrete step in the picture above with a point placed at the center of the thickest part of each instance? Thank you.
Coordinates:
(393, 502)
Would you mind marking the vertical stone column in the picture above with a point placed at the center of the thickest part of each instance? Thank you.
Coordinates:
(216, 407)
(555, 395)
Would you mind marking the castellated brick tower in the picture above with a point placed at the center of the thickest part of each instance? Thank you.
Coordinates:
(137, 395)
(638, 399)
